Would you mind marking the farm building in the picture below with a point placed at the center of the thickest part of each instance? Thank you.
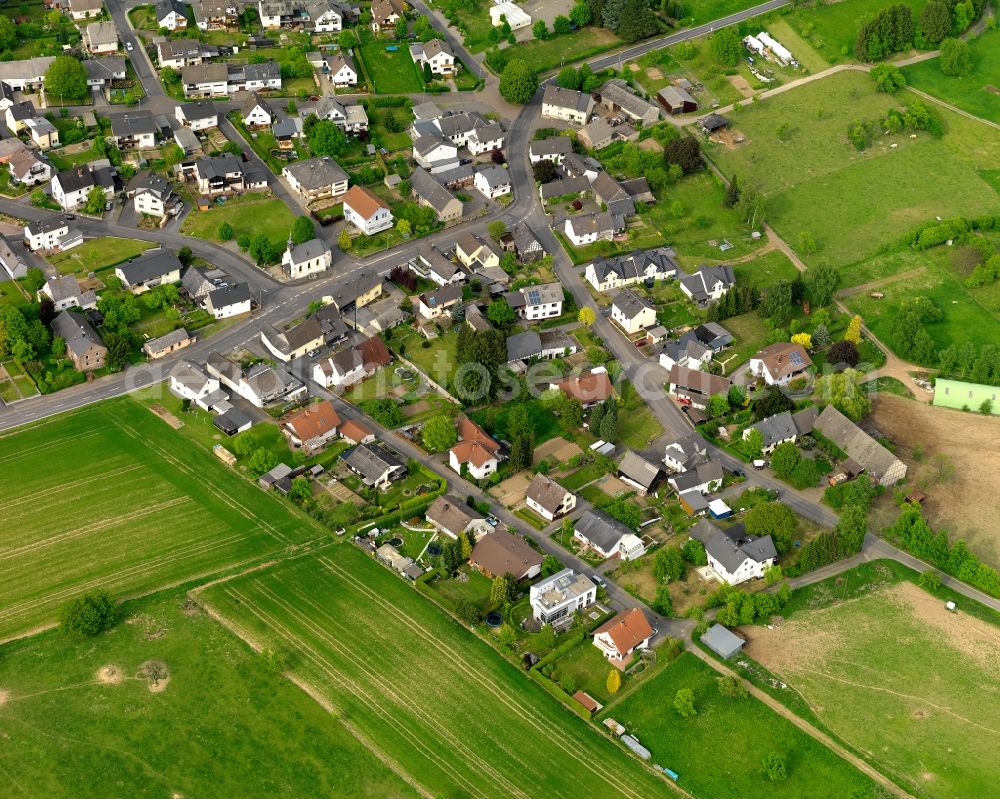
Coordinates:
(961, 395)
(676, 100)
(875, 459)
(721, 641)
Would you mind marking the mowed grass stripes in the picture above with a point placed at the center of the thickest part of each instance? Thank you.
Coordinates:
(457, 718)
(111, 497)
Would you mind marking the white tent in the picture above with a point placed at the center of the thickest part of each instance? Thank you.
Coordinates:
(776, 47)
(516, 17)
(753, 43)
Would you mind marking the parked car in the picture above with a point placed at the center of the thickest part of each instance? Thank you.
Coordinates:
(598, 580)
(492, 520)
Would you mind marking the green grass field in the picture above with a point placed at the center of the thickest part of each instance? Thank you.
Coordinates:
(112, 497)
(97, 254)
(720, 752)
(970, 92)
(923, 676)
(766, 270)
(392, 73)
(545, 55)
(968, 314)
(452, 714)
(854, 203)
(831, 28)
(251, 213)
(225, 724)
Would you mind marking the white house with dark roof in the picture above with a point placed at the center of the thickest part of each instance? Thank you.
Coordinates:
(733, 554)
(256, 112)
(154, 268)
(534, 303)
(316, 178)
(13, 265)
(51, 234)
(631, 312)
(171, 14)
(685, 452)
(453, 518)
(566, 105)
(708, 284)
(133, 130)
(326, 16)
(71, 186)
(197, 115)
(627, 270)
(436, 53)
(308, 258)
(774, 430)
(342, 72)
(587, 228)
(153, 195)
(438, 303)
(686, 351)
(434, 152)
(228, 301)
(493, 181)
(549, 499)
(438, 269)
(607, 536)
(553, 149)
(375, 464)
(100, 38)
(65, 293)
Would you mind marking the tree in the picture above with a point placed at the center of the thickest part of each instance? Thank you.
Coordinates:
(752, 444)
(496, 229)
(8, 33)
(244, 444)
(119, 347)
(685, 152)
(95, 201)
(822, 282)
(518, 82)
(888, 78)
(544, 171)
(225, 232)
(428, 72)
(303, 230)
(568, 78)
(262, 250)
(89, 614)
(507, 639)
(663, 603)
(732, 687)
(614, 682)
(580, 16)
(843, 391)
(540, 30)
(325, 138)
(637, 21)
(732, 193)
(504, 589)
(301, 489)
(774, 519)
(853, 333)
(500, 313)
(261, 462)
(843, 353)
(684, 703)
(344, 240)
(784, 459)
(561, 25)
(468, 612)
(439, 433)
(804, 339)
(586, 316)
(385, 411)
(185, 255)
(551, 565)
(718, 405)
(725, 47)
(66, 79)
(401, 28)
(668, 565)
(956, 57)
(775, 768)
(935, 22)
(522, 435)
(776, 303)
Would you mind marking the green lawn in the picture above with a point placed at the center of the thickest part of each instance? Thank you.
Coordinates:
(546, 55)
(10, 294)
(495, 420)
(708, 10)
(127, 505)
(436, 361)
(749, 730)
(251, 213)
(475, 589)
(876, 641)
(831, 28)
(581, 477)
(749, 333)
(392, 73)
(970, 92)
(637, 426)
(225, 724)
(869, 199)
(766, 270)
(97, 254)
(392, 662)
(473, 18)
(143, 18)
(584, 668)
(968, 314)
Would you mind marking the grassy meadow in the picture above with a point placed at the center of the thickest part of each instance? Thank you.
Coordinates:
(895, 675)
(111, 497)
(855, 203)
(78, 720)
(971, 92)
(454, 716)
(97, 254)
(251, 213)
(720, 752)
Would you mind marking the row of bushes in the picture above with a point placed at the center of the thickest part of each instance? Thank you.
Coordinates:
(933, 233)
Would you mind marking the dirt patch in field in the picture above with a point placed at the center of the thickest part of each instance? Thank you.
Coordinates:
(612, 486)
(167, 416)
(739, 83)
(512, 490)
(558, 449)
(4, 696)
(654, 73)
(787, 647)
(110, 675)
(966, 504)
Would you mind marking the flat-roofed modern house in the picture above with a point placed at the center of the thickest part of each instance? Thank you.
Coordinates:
(556, 599)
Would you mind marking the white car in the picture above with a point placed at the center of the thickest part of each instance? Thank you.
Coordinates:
(128, 46)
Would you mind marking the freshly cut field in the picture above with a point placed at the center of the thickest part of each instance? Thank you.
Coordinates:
(976, 92)
(78, 720)
(112, 497)
(720, 752)
(437, 702)
(96, 254)
(900, 678)
(853, 203)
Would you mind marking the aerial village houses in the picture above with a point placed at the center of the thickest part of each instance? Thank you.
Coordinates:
(168, 343)
(779, 364)
(313, 427)
(316, 178)
(733, 554)
(588, 388)
(83, 346)
(134, 130)
(879, 463)
(100, 38)
(435, 53)
(228, 301)
(84, 9)
(534, 303)
(374, 464)
(631, 312)
(501, 553)
(171, 14)
(566, 105)
(63, 290)
(627, 270)
(366, 211)
(453, 518)
(620, 637)
(352, 364)
(256, 112)
(152, 269)
(342, 72)
(308, 258)
(475, 451)
(607, 537)
(556, 599)
(708, 284)
(51, 234)
(152, 195)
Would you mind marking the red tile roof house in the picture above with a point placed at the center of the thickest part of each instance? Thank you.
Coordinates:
(356, 432)
(475, 450)
(623, 635)
(313, 427)
(589, 388)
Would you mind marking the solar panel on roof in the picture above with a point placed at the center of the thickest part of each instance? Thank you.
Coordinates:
(534, 297)
(796, 358)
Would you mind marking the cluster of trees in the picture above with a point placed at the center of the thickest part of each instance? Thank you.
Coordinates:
(404, 278)
(788, 464)
(260, 247)
(726, 47)
(582, 79)
(385, 411)
(324, 137)
(774, 519)
(908, 334)
(942, 18)
(66, 79)
(967, 361)
(568, 409)
(915, 535)
(888, 78)
(845, 539)
(916, 116)
(737, 606)
(486, 348)
(721, 404)
(843, 391)
(635, 162)
(685, 152)
(604, 420)
(294, 64)
(956, 57)
(888, 31)
(521, 432)
(740, 299)
(23, 334)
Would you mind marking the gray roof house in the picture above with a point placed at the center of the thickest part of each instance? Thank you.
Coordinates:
(875, 459)
(617, 96)
(708, 283)
(685, 452)
(374, 464)
(714, 336)
(775, 430)
(734, 554)
(627, 270)
(150, 270)
(638, 472)
(607, 535)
